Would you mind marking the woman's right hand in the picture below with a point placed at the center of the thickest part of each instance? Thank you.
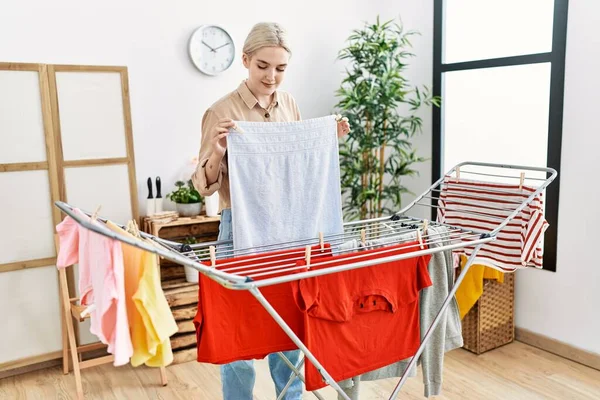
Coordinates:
(219, 135)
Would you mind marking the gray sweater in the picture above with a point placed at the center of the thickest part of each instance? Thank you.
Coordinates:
(448, 333)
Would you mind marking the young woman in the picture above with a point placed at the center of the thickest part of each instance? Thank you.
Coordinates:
(266, 54)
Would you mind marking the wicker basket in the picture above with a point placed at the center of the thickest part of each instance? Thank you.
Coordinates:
(490, 323)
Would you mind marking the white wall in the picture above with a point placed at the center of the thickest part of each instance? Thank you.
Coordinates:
(566, 305)
(168, 95)
(418, 16)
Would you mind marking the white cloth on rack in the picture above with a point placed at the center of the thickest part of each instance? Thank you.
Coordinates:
(284, 181)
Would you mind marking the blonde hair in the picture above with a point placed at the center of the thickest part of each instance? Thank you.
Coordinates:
(266, 34)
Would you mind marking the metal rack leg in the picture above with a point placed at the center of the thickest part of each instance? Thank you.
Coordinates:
(433, 325)
(326, 377)
(296, 373)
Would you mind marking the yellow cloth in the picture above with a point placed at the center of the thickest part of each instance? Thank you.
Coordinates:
(471, 288)
(151, 322)
(156, 313)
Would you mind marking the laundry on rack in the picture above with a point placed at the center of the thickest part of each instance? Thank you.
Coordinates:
(349, 246)
(101, 282)
(471, 287)
(482, 206)
(150, 318)
(353, 319)
(232, 325)
(358, 321)
(447, 335)
(284, 181)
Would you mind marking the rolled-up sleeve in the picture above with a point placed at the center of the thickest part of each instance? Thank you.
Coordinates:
(209, 120)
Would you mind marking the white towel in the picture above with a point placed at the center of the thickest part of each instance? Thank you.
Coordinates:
(285, 181)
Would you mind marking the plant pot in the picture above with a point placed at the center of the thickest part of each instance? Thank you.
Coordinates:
(188, 210)
(212, 205)
(191, 274)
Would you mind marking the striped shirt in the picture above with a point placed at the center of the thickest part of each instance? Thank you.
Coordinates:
(482, 206)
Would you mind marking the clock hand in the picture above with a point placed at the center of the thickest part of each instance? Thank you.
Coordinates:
(211, 49)
(223, 45)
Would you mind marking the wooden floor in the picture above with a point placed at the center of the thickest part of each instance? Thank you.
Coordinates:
(515, 371)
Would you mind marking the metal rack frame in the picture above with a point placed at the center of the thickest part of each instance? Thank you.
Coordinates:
(197, 256)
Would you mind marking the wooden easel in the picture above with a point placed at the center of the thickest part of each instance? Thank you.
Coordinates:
(71, 310)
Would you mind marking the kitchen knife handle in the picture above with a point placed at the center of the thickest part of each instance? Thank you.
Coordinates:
(150, 188)
(158, 195)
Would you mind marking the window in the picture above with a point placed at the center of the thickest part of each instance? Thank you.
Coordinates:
(499, 68)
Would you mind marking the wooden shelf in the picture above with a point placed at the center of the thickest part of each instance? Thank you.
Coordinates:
(185, 355)
(184, 225)
(184, 312)
(182, 296)
(184, 340)
(186, 326)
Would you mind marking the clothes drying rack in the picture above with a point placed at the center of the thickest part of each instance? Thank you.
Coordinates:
(200, 256)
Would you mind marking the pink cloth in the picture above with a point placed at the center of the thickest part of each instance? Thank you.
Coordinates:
(101, 282)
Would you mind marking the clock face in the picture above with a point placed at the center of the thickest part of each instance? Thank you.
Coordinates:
(211, 49)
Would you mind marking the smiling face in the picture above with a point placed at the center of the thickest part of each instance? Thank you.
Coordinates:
(266, 69)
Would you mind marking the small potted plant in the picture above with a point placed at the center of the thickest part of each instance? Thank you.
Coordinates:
(186, 198)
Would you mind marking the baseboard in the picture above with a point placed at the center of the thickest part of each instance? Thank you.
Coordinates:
(554, 346)
(48, 360)
(29, 364)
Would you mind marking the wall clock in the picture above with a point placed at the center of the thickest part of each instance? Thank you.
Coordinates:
(211, 49)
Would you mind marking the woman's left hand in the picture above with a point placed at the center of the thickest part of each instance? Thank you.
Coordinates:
(343, 127)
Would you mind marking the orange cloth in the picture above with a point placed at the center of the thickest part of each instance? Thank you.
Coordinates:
(362, 319)
(151, 322)
(471, 288)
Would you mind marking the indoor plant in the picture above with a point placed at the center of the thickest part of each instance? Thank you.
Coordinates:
(382, 108)
(187, 199)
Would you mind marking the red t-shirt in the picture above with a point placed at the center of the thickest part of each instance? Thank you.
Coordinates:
(231, 325)
(363, 319)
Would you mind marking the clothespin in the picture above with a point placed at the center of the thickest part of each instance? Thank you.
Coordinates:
(425, 224)
(237, 128)
(95, 214)
(457, 174)
(363, 236)
(135, 230)
(307, 256)
(213, 257)
(87, 310)
(321, 242)
(339, 117)
(420, 239)
(129, 228)
(521, 180)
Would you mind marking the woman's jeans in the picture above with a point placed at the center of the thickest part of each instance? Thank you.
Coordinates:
(238, 377)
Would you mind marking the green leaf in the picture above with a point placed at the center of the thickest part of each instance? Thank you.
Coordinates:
(382, 106)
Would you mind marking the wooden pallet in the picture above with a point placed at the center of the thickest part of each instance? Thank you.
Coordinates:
(182, 296)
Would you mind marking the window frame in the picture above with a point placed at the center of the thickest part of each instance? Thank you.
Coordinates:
(556, 58)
